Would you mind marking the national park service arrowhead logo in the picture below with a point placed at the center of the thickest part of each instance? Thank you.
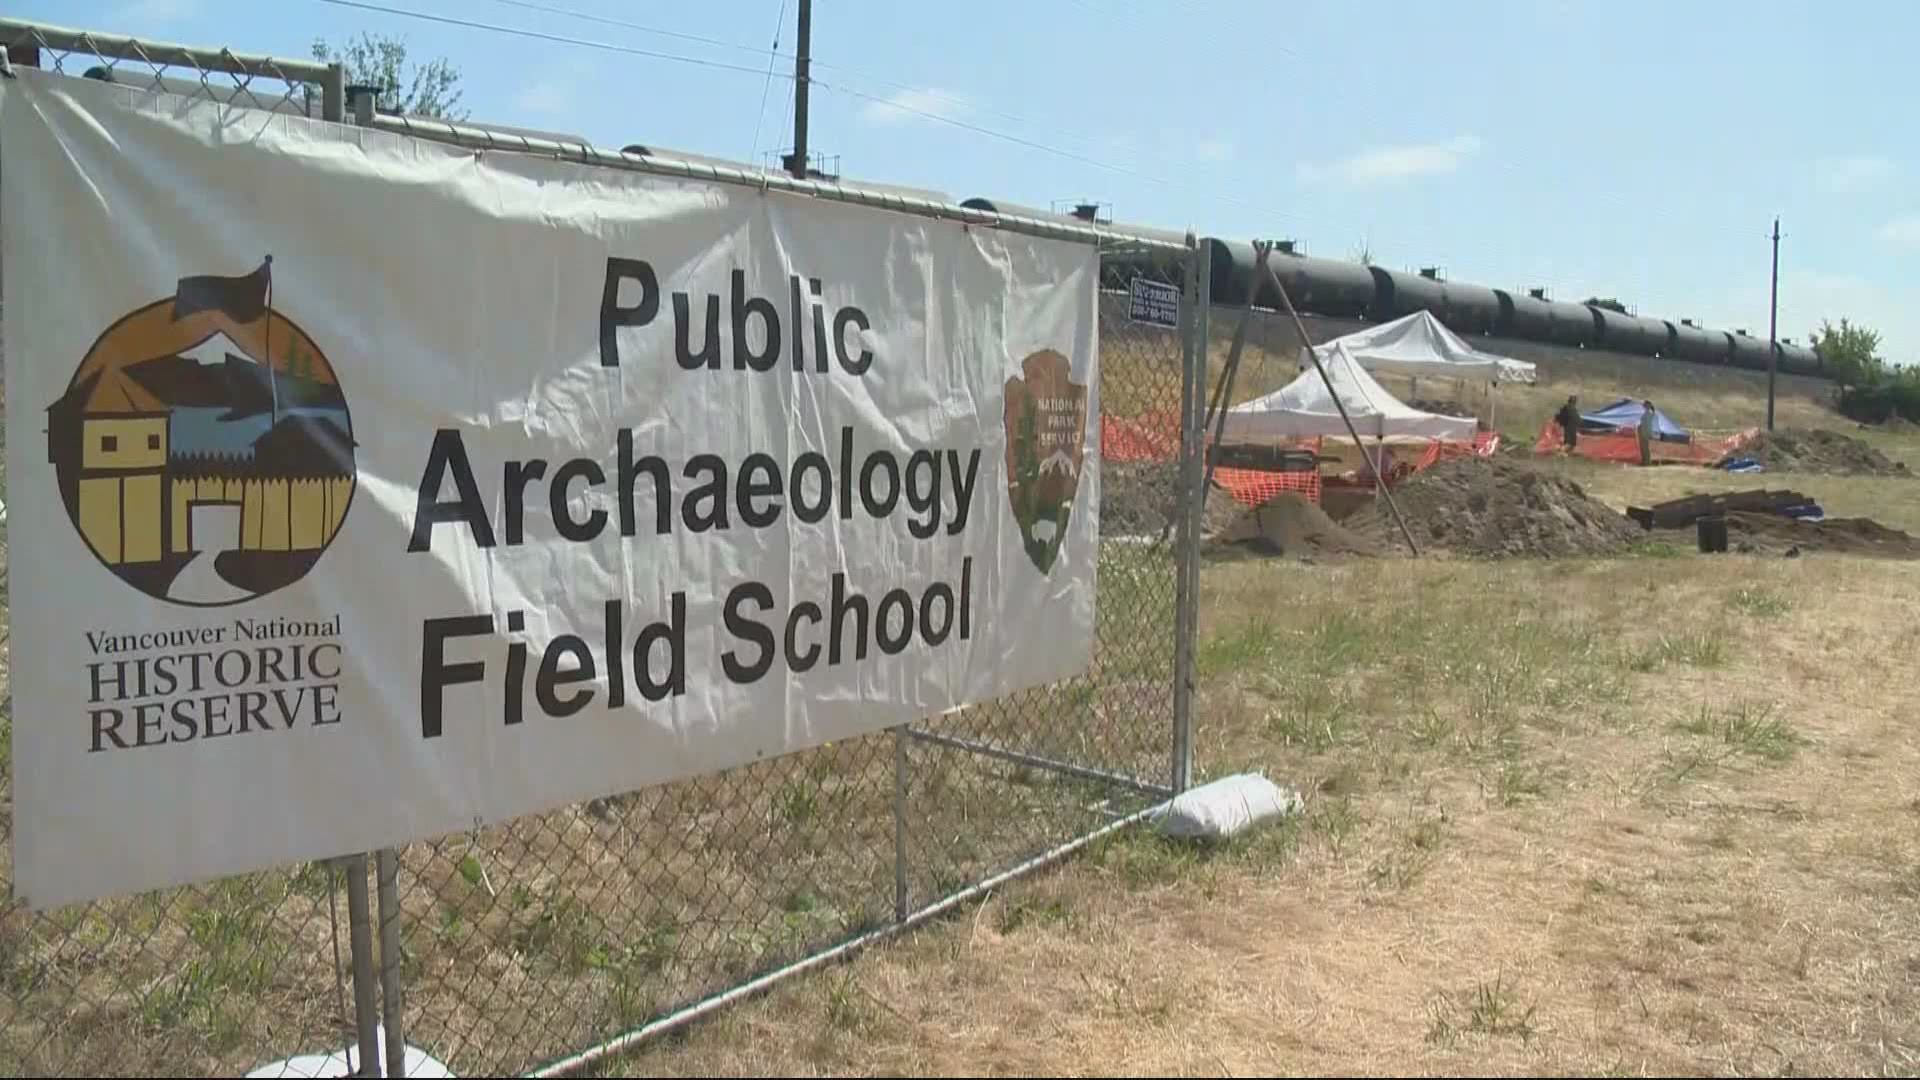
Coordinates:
(1046, 419)
(203, 448)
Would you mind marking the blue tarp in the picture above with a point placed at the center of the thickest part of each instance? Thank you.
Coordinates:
(1625, 415)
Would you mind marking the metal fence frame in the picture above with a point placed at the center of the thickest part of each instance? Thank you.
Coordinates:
(380, 979)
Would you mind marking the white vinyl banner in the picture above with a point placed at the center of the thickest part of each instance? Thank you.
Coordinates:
(364, 489)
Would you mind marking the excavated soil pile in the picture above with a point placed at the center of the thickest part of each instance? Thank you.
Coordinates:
(1817, 451)
(1221, 512)
(1771, 534)
(1136, 497)
(1442, 408)
(1288, 524)
(1491, 507)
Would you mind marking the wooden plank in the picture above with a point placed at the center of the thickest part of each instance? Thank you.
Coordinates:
(1679, 513)
(1263, 458)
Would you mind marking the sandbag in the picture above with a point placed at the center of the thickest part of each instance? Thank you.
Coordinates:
(1227, 807)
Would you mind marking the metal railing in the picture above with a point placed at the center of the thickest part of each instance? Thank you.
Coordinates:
(548, 943)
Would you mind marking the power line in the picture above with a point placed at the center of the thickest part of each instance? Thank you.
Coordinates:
(588, 16)
(779, 22)
(539, 35)
(1016, 139)
(775, 54)
(863, 95)
(1123, 170)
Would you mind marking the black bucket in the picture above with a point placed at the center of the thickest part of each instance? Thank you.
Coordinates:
(1713, 534)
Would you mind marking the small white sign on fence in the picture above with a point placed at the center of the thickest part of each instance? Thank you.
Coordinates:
(1155, 303)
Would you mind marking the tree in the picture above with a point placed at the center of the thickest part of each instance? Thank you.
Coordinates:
(1851, 352)
(430, 90)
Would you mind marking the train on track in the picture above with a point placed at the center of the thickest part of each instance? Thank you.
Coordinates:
(1352, 290)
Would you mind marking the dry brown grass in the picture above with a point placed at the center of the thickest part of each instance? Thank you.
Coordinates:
(1627, 816)
(1546, 833)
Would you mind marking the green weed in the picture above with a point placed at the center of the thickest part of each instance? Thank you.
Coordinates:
(1243, 646)
(1515, 781)
(1334, 820)
(1707, 649)
(797, 802)
(1652, 548)
(1746, 728)
(1430, 728)
(1408, 863)
(1025, 913)
(846, 1004)
(471, 871)
(566, 932)
(1312, 714)
(1759, 602)
(1495, 1009)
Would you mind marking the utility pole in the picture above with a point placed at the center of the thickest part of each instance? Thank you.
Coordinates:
(797, 162)
(1773, 324)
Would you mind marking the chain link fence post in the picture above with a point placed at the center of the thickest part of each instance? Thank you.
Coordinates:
(387, 867)
(1189, 502)
(360, 938)
(900, 824)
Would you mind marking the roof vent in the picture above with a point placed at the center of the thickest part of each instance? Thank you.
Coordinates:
(1431, 273)
(1686, 322)
(1087, 211)
(1537, 294)
(1287, 247)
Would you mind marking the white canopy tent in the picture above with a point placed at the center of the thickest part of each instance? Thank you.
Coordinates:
(1303, 408)
(1420, 345)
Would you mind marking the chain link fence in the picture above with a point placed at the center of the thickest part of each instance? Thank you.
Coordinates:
(541, 945)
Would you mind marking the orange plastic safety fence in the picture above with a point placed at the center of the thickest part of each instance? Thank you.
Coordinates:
(1155, 437)
(1705, 448)
(1255, 487)
(1151, 436)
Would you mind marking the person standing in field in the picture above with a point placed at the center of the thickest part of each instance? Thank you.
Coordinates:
(1646, 432)
(1569, 420)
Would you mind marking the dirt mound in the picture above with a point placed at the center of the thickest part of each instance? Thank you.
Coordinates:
(1492, 507)
(1818, 451)
(1442, 408)
(1288, 524)
(1137, 497)
(1772, 534)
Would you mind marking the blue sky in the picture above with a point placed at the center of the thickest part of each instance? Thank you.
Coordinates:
(1631, 149)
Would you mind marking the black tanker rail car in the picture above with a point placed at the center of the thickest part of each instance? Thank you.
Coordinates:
(1699, 345)
(1337, 288)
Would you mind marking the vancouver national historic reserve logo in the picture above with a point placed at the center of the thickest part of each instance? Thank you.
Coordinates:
(203, 448)
(1046, 419)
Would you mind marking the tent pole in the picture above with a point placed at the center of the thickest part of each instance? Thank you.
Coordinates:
(1224, 392)
(1373, 460)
